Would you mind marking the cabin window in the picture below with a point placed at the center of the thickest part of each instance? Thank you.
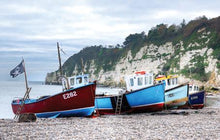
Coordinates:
(150, 80)
(176, 81)
(190, 88)
(64, 84)
(146, 80)
(131, 82)
(173, 81)
(72, 81)
(168, 82)
(86, 79)
(195, 88)
(79, 80)
(140, 81)
(159, 82)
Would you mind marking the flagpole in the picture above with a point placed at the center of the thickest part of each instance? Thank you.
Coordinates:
(25, 76)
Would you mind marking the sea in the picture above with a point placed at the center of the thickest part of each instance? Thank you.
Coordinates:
(10, 90)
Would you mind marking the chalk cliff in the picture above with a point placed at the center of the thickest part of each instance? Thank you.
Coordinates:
(191, 51)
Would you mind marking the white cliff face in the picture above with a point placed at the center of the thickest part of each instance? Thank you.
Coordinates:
(129, 65)
(185, 58)
(166, 48)
(156, 57)
(211, 62)
(152, 58)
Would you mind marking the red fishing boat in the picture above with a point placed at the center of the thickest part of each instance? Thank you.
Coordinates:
(76, 99)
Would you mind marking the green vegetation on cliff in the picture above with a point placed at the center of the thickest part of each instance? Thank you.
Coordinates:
(104, 58)
(195, 35)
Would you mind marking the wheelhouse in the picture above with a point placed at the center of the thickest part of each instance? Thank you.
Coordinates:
(193, 88)
(139, 80)
(171, 81)
(75, 81)
(78, 81)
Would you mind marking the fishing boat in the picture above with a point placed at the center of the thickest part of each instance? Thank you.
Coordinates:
(76, 99)
(196, 97)
(142, 94)
(176, 95)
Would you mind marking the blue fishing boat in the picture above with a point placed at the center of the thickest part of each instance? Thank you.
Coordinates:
(106, 105)
(196, 97)
(176, 95)
(142, 95)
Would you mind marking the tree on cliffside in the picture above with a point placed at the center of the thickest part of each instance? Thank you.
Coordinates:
(134, 42)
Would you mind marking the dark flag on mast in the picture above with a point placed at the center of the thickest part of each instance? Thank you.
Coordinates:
(19, 69)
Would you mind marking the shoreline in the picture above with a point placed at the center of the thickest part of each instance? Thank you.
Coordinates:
(168, 124)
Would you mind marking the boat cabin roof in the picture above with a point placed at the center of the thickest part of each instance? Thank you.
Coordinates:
(163, 77)
(170, 81)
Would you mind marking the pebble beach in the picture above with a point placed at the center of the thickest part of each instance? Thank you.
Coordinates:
(169, 124)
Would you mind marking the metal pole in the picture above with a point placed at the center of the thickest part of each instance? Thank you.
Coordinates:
(58, 49)
(25, 76)
(82, 66)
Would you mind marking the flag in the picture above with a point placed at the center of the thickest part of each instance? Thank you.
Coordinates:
(19, 69)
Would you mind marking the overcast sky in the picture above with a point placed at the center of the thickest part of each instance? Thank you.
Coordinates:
(31, 28)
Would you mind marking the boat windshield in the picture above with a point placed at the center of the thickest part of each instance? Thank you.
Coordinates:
(86, 79)
(131, 82)
(72, 81)
(140, 81)
(77, 81)
(190, 88)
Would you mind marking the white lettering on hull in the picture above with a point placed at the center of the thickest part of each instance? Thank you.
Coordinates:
(69, 95)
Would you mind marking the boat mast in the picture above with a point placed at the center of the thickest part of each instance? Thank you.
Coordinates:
(58, 49)
(82, 66)
(25, 77)
(66, 86)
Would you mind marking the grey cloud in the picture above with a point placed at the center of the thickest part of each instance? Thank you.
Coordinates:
(33, 27)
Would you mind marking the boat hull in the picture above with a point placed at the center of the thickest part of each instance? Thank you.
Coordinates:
(73, 102)
(177, 96)
(106, 105)
(197, 100)
(103, 105)
(147, 99)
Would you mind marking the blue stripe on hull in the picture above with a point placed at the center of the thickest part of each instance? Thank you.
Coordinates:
(177, 93)
(103, 103)
(197, 98)
(146, 96)
(67, 113)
